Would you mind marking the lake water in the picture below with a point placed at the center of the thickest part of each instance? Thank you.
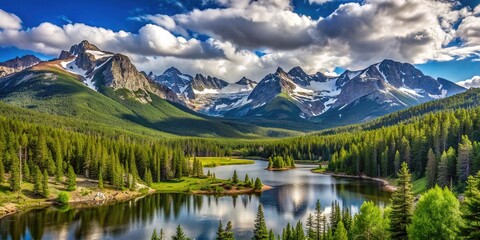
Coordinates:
(292, 198)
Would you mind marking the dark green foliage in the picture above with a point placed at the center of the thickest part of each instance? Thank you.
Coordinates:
(179, 234)
(258, 184)
(235, 177)
(464, 159)
(15, 178)
(154, 235)
(71, 179)
(260, 231)
(220, 231)
(2, 171)
(402, 205)
(37, 181)
(45, 191)
(431, 171)
(228, 233)
(471, 208)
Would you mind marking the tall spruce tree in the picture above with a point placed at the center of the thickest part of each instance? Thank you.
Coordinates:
(431, 170)
(179, 234)
(71, 179)
(260, 231)
(402, 205)
(464, 159)
(15, 178)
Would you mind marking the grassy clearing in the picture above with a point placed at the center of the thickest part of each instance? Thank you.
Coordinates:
(222, 161)
(419, 186)
(188, 184)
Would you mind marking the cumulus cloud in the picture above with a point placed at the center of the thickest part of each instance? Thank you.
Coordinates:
(473, 82)
(9, 21)
(151, 40)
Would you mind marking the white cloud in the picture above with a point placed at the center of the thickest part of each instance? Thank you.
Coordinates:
(151, 40)
(354, 36)
(473, 82)
(9, 21)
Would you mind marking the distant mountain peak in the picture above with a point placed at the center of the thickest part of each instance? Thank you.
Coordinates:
(172, 70)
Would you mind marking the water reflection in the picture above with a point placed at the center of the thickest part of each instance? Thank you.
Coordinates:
(292, 198)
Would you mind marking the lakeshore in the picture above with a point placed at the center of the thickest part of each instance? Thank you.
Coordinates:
(386, 185)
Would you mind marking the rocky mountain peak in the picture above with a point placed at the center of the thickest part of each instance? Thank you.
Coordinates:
(172, 70)
(18, 64)
(82, 47)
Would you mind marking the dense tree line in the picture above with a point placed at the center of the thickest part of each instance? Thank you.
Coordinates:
(33, 153)
(444, 145)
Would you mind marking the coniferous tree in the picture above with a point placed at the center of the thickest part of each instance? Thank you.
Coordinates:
(431, 171)
(235, 177)
(100, 178)
(247, 179)
(260, 231)
(71, 179)
(319, 223)
(258, 184)
(443, 178)
(45, 191)
(148, 177)
(311, 234)
(271, 235)
(402, 205)
(220, 231)
(228, 233)
(155, 235)
(471, 209)
(2, 170)
(464, 159)
(397, 162)
(369, 223)
(299, 233)
(161, 235)
(179, 234)
(37, 181)
(15, 178)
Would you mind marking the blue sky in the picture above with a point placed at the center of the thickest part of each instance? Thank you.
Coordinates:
(315, 34)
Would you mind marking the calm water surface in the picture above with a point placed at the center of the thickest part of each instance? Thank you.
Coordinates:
(292, 198)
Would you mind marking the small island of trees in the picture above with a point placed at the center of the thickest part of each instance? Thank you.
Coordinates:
(279, 163)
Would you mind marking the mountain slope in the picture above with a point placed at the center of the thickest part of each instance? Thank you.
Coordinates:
(121, 97)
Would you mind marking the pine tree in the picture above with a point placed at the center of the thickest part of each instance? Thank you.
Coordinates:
(100, 178)
(220, 231)
(162, 235)
(148, 177)
(247, 179)
(319, 223)
(431, 171)
(258, 184)
(260, 231)
(443, 178)
(2, 170)
(71, 179)
(58, 163)
(179, 234)
(228, 233)
(299, 234)
(402, 205)
(155, 235)
(15, 178)
(397, 162)
(37, 181)
(271, 235)
(471, 210)
(311, 234)
(45, 191)
(235, 177)
(464, 159)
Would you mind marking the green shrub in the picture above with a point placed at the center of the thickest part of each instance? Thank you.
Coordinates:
(62, 198)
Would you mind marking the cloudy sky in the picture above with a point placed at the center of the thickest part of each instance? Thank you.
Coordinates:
(234, 38)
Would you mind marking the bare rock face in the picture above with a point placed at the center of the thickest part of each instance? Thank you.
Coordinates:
(120, 73)
(201, 83)
(18, 64)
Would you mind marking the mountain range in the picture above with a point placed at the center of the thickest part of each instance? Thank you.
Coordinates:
(94, 84)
